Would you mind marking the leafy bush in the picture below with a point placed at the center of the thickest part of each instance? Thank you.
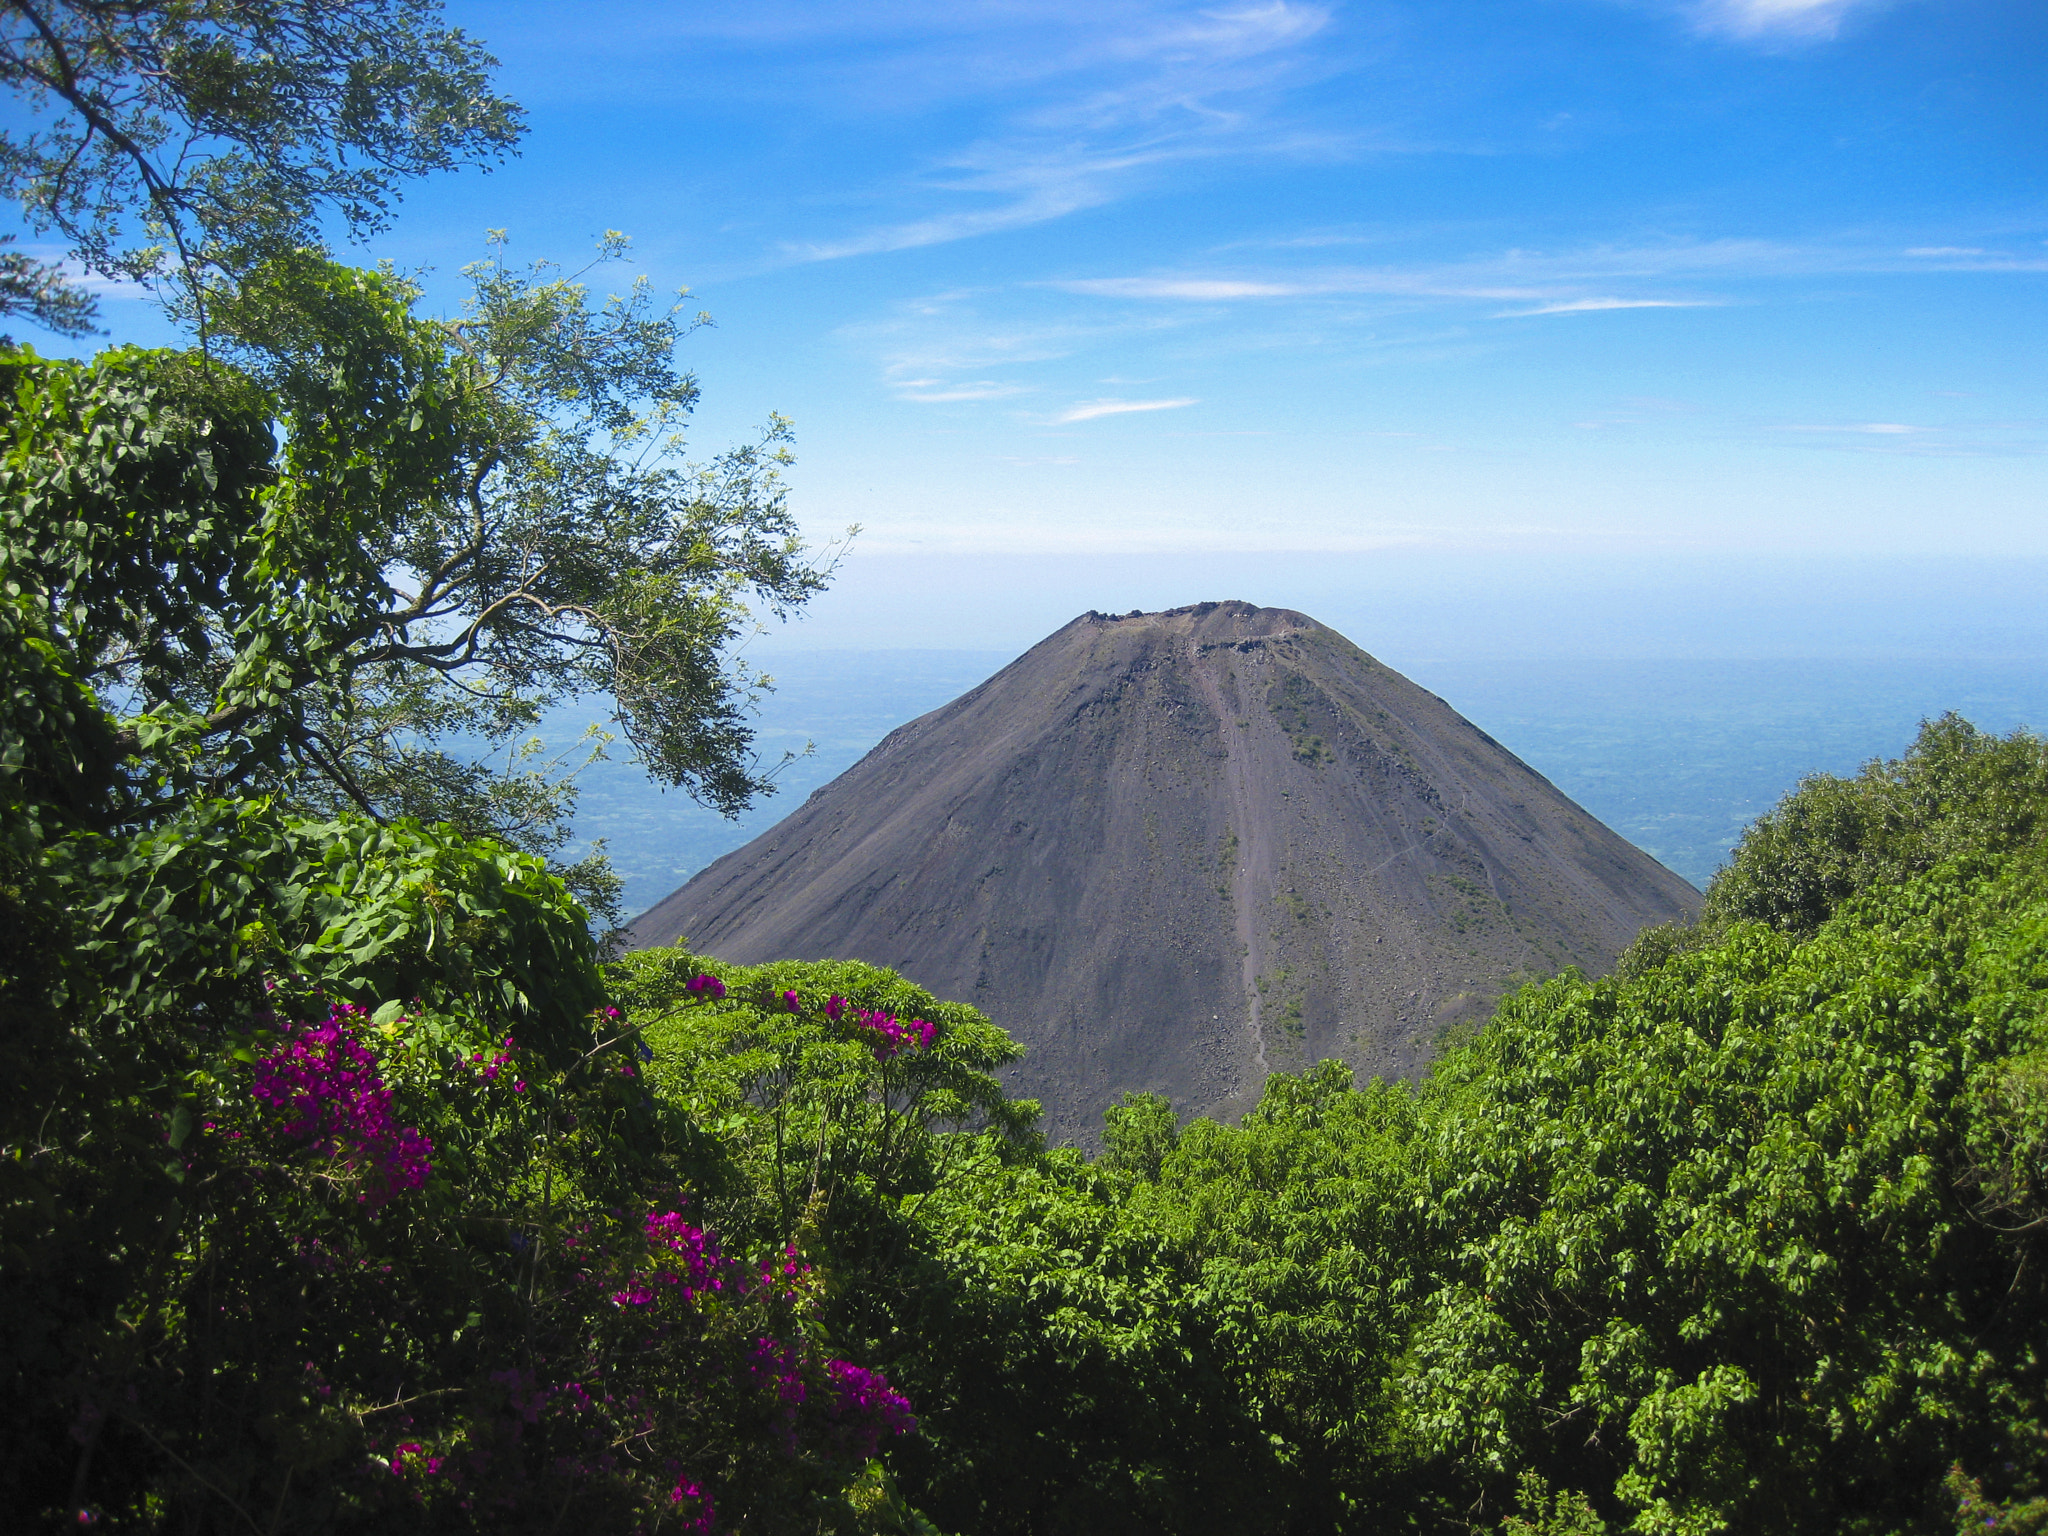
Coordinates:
(1705, 1251)
(1957, 794)
(347, 1205)
(1745, 1238)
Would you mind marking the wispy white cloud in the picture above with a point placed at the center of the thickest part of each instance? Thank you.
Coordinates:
(1207, 67)
(1088, 410)
(962, 348)
(1198, 289)
(941, 349)
(80, 276)
(1205, 290)
(1547, 284)
(1033, 191)
(932, 392)
(1585, 280)
(1589, 306)
(1773, 20)
(1537, 276)
(1231, 33)
(1867, 428)
(935, 343)
(1113, 99)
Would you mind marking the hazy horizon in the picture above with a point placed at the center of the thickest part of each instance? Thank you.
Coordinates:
(1678, 756)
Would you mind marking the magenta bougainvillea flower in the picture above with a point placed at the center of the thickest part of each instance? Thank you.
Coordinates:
(325, 1085)
(487, 1071)
(868, 1407)
(692, 1504)
(674, 1297)
(702, 1267)
(891, 1034)
(774, 1364)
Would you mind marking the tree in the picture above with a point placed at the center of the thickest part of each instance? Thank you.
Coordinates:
(173, 139)
(340, 1197)
(436, 1262)
(40, 291)
(1743, 1242)
(463, 523)
(1138, 1132)
(1958, 792)
(188, 604)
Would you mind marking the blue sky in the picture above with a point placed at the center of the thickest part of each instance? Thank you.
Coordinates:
(1613, 326)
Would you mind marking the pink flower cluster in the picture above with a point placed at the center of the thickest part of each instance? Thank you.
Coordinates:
(431, 1465)
(774, 1365)
(708, 987)
(785, 1273)
(702, 1268)
(868, 1407)
(326, 1083)
(686, 1494)
(487, 1071)
(843, 1409)
(892, 1034)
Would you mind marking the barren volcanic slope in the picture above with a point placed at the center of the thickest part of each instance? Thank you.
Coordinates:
(1173, 851)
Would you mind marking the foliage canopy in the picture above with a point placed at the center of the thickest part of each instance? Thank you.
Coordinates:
(462, 524)
(227, 129)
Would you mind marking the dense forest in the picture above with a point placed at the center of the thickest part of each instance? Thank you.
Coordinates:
(349, 1182)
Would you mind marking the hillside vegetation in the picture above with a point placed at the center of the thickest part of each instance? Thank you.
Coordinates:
(349, 1190)
(1743, 1239)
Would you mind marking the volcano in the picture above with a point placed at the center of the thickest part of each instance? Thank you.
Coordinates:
(1177, 851)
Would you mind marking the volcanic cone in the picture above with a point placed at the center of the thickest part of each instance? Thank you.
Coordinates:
(1176, 851)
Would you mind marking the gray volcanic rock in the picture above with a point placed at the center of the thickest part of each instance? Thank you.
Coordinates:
(1175, 851)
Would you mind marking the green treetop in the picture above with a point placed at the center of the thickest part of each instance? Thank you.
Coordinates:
(455, 525)
(170, 139)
